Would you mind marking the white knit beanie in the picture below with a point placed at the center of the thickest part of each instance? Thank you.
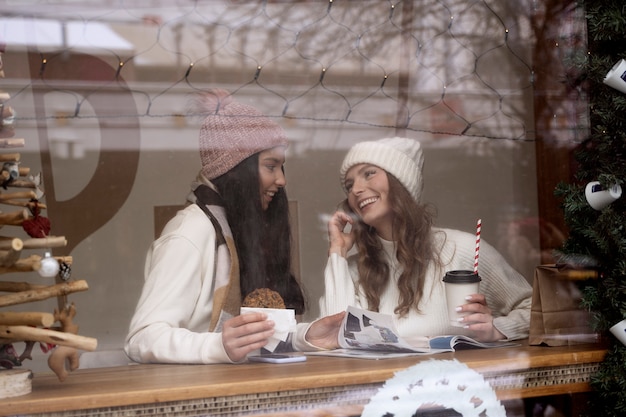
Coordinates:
(401, 157)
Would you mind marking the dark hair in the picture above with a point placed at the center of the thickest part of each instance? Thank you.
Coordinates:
(412, 232)
(262, 238)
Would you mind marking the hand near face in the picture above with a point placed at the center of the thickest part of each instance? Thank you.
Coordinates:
(339, 241)
(245, 333)
(480, 320)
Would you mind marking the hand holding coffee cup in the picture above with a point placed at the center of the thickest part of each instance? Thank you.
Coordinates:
(459, 284)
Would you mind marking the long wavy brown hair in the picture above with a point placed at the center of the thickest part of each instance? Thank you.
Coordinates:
(412, 232)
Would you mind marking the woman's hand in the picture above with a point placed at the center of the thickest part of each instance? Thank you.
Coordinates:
(480, 320)
(245, 333)
(324, 333)
(339, 241)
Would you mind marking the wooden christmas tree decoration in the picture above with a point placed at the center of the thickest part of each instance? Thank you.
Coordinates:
(54, 331)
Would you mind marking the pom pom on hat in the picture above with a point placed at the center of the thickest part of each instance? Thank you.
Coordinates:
(401, 157)
(232, 132)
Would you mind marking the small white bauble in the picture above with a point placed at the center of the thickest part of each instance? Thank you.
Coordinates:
(49, 266)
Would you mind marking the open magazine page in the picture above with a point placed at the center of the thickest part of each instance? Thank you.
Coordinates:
(368, 330)
(370, 335)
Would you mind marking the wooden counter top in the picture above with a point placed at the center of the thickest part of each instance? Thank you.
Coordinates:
(156, 384)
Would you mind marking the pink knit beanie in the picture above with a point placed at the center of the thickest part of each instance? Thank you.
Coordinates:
(232, 132)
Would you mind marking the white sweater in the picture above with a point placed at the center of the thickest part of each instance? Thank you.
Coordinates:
(508, 294)
(172, 318)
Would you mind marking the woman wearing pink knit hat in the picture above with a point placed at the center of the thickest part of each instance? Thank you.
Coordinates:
(401, 258)
(215, 251)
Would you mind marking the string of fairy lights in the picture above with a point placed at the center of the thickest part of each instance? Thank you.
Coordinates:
(448, 68)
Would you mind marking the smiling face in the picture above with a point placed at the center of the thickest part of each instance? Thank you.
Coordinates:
(271, 175)
(368, 196)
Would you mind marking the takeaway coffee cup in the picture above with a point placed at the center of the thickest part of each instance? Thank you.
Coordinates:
(459, 284)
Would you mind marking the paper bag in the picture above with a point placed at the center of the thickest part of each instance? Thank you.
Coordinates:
(556, 317)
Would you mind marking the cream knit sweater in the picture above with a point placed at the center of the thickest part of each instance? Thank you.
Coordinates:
(508, 293)
(172, 319)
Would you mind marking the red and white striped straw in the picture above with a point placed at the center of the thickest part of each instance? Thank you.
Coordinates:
(478, 226)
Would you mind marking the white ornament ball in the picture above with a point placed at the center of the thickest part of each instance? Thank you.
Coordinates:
(49, 267)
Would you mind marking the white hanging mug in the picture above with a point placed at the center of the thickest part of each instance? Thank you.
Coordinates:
(616, 77)
(598, 197)
(619, 331)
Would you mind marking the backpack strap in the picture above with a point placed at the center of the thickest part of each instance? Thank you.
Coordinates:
(227, 292)
(206, 196)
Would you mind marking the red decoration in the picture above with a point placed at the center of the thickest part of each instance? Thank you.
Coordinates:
(37, 227)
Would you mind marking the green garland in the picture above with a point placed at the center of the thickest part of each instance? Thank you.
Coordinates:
(601, 235)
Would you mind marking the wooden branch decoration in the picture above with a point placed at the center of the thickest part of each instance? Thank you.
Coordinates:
(66, 318)
(65, 358)
(17, 195)
(22, 184)
(15, 218)
(43, 293)
(7, 128)
(37, 243)
(10, 318)
(62, 356)
(9, 256)
(22, 172)
(30, 264)
(12, 143)
(45, 242)
(30, 204)
(10, 157)
(64, 259)
(35, 334)
(9, 286)
(22, 198)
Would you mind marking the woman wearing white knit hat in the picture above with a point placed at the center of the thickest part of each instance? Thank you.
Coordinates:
(214, 252)
(401, 258)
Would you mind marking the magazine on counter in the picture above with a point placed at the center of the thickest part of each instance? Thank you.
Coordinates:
(370, 335)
